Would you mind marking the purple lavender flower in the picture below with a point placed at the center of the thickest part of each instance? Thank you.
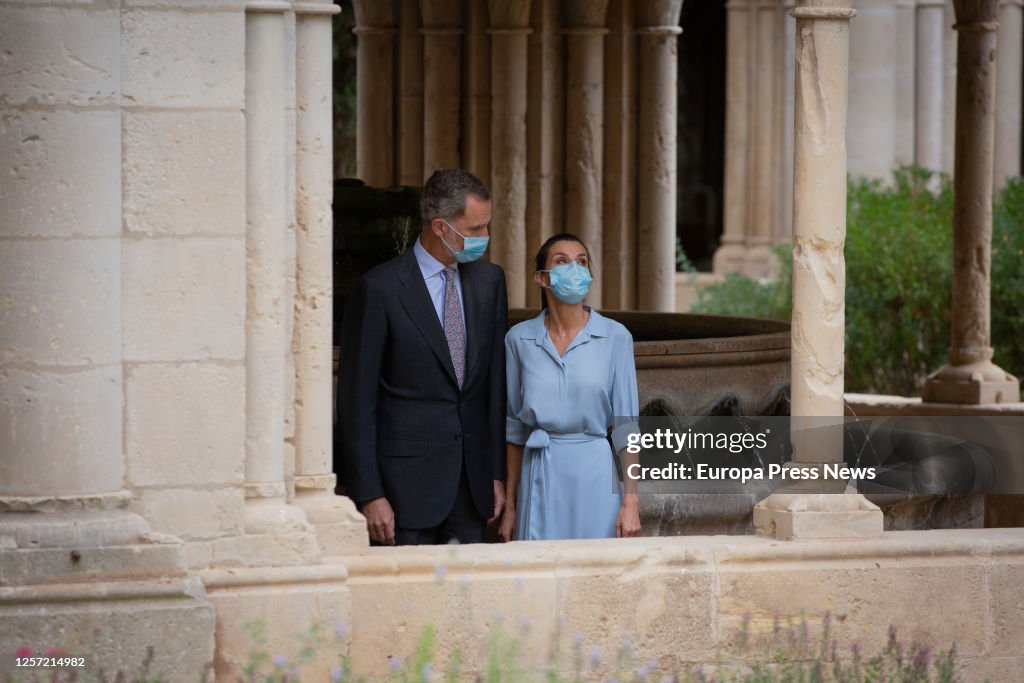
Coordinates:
(396, 662)
(280, 661)
(340, 629)
(337, 674)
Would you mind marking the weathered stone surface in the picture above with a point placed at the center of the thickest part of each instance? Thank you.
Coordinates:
(62, 174)
(164, 52)
(182, 173)
(193, 514)
(49, 567)
(1004, 581)
(119, 625)
(60, 56)
(315, 606)
(184, 299)
(60, 302)
(56, 428)
(185, 424)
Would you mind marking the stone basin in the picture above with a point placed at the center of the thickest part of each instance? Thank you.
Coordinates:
(690, 364)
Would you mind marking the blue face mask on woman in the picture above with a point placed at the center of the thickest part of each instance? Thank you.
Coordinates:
(472, 247)
(570, 282)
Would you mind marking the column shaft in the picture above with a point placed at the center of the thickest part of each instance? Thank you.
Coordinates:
(584, 132)
(729, 257)
(760, 261)
(442, 89)
(509, 49)
(476, 109)
(314, 289)
(1008, 91)
(544, 134)
(656, 143)
(619, 265)
(928, 129)
(410, 94)
(819, 213)
(375, 58)
(265, 246)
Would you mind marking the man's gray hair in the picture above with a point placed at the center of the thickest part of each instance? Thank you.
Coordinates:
(444, 195)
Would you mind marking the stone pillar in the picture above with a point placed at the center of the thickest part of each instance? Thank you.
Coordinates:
(760, 261)
(819, 230)
(277, 525)
(928, 129)
(510, 20)
(619, 265)
(337, 522)
(971, 377)
(584, 127)
(904, 59)
(442, 77)
(476, 103)
(729, 257)
(1008, 91)
(545, 132)
(872, 116)
(375, 59)
(410, 95)
(783, 231)
(658, 26)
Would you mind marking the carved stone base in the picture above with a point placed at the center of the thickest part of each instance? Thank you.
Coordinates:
(977, 383)
(815, 516)
(760, 261)
(276, 533)
(339, 525)
(728, 258)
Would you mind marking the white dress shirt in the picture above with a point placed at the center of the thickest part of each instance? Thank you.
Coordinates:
(433, 277)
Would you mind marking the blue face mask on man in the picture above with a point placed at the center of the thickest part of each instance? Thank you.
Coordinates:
(472, 247)
(570, 282)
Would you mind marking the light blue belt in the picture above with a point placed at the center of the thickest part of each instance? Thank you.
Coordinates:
(536, 473)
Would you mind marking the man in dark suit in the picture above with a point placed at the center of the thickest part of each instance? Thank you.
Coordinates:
(421, 381)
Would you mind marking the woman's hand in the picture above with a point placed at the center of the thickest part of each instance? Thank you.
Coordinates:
(508, 523)
(627, 524)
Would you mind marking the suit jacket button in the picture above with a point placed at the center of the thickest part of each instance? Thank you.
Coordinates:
(458, 437)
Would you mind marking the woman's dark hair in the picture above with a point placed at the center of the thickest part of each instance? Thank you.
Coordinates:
(545, 250)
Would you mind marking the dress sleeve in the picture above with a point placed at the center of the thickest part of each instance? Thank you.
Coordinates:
(625, 403)
(515, 431)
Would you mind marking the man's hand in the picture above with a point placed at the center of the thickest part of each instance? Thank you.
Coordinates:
(628, 522)
(507, 529)
(499, 499)
(380, 520)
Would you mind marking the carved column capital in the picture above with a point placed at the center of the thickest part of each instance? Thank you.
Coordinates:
(442, 14)
(509, 14)
(584, 13)
(658, 13)
(976, 15)
(374, 16)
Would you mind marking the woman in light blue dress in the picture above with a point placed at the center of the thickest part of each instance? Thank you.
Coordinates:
(570, 371)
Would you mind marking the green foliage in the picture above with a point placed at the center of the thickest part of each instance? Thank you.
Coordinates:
(741, 295)
(899, 274)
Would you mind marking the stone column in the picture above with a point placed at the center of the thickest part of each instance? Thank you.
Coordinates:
(279, 526)
(476, 104)
(375, 59)
(928, 130)
(584, 127)
(410, 95)
(509, 32)
(442, 76)
(783, 231)
(1008, 91)
(658, 26)
(971, 377)
(819, 230)
(729, 257)
(337, 522)
(545, 133)
(760, 261)
(904, 57)
(873, 86)
(619, 265)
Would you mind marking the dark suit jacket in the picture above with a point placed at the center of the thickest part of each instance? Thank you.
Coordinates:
(405, 427)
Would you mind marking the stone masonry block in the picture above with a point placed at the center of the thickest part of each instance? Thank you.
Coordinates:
(60, 302)
(185, 424)
(1004, 580)
(62, 173)
(60, 56)
(191, 514)
(184, 172)
(183, 59)
(60, 432)
(184, 299)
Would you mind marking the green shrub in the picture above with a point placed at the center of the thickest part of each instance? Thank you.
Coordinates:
(899, 271)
